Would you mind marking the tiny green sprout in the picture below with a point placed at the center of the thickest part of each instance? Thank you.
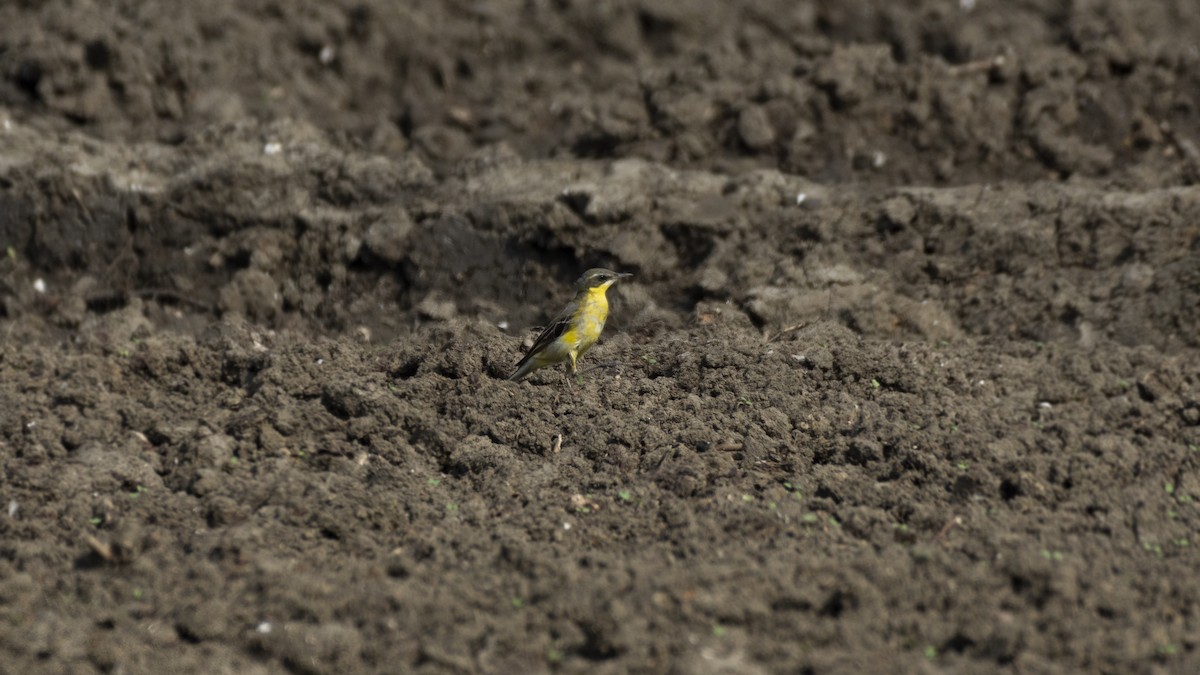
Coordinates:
(1170, 488)
(1156, 549)
(834, 522)
(962, 466)
(301, 454)
(1172, 514)
(649, 359)
(95, 521)
(1183, 542)
(772, 505)
(137, 594)
(1168, 649)
(900, 527)
(124, 353)
(583, 509)
(451, 506)
(1194, 447)
(788, 486)
(625, 495)
(11, 252)
(137, 491)
(747, 498)
(930, 652)
(555, 655)
(1124, 384)
(234, 461)
(719, 631)
(517, 603)
(810, 518)
(875, 384)
(433, 482)
(1184, 499)
(744, 401)
(392, 387)
(1056, 556)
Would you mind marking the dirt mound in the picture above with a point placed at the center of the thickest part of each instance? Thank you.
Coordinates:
(907, 377)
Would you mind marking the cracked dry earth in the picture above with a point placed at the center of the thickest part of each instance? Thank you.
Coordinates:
(907, 379)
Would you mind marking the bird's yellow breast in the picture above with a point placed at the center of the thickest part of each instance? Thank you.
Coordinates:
(589, 319)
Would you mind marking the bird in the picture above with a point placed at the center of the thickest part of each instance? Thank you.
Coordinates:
(575, 329)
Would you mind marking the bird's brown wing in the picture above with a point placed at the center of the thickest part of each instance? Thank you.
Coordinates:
(551, 332)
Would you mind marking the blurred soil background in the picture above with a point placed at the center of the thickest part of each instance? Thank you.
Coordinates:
(908, 379)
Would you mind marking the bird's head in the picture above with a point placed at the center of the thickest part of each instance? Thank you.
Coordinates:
(598, 277)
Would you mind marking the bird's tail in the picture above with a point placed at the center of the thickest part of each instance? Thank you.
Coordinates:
(525, 367)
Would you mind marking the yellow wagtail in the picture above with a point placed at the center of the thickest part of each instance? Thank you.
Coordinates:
(575, 329)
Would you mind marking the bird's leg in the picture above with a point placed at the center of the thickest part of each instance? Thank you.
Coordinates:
(575, 370)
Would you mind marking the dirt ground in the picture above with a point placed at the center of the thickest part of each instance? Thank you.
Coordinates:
(907, 380)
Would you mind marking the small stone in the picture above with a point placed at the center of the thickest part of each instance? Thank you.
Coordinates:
(713, 279)
(388, 238)
(899, 212)
(755, 129)
(437, 307)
